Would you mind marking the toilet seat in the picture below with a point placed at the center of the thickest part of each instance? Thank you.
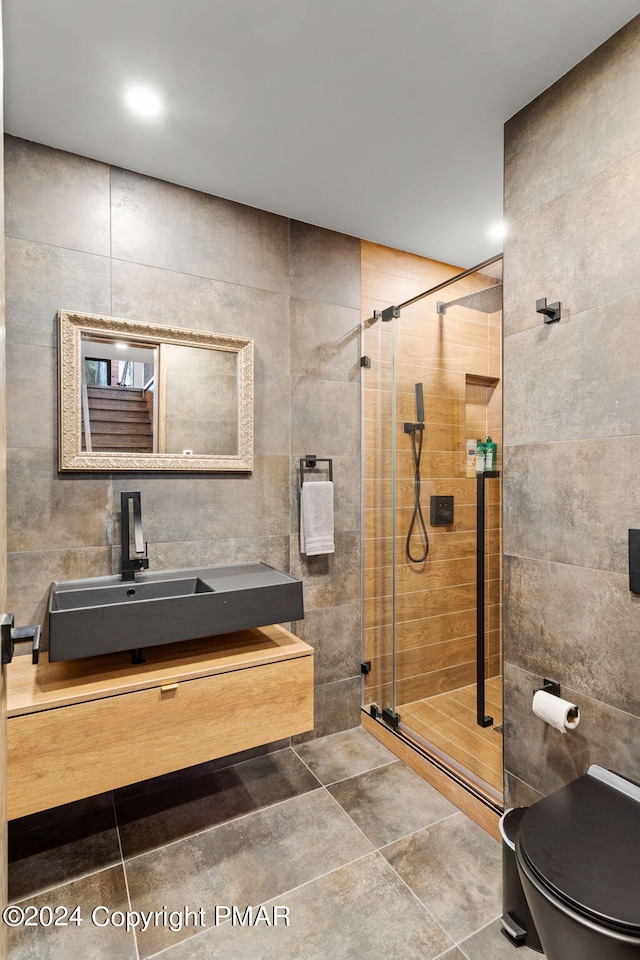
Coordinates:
(582, 844)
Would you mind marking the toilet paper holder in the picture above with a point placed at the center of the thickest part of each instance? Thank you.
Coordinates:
(553, 687)
(549, 686)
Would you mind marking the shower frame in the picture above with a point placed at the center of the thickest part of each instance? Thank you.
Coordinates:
(387, 712)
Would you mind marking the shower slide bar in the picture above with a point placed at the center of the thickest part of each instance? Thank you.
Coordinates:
(393, 312)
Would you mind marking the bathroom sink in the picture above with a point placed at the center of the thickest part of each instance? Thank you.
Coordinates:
(106, 614)
(132, 592)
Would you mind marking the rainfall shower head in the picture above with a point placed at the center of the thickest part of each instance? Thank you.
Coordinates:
(486, 301)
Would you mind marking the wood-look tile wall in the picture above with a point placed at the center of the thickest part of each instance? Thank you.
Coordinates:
(435, 600)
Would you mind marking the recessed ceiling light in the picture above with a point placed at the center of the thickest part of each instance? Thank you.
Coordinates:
(143, 101)
(498, 231)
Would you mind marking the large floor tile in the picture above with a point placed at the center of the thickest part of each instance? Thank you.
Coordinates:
(86, 941)
(343, 755)
(490, 944)
(182, 808)
(358, 912)
(454, 867)
(390, 802)
(59, 851)
(250, 860)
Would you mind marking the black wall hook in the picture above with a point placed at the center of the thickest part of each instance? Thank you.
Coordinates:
(551, 313)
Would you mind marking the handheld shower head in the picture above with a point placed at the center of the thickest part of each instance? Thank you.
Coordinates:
(419, 403)
(416, 430)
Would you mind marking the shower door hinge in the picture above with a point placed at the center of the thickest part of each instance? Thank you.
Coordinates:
(365, 361)
(365, 666)
(391, 718)
(373, 711)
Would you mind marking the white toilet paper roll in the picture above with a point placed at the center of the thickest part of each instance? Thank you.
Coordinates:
(554, 710)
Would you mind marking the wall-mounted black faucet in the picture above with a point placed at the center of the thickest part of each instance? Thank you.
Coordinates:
(141, 560)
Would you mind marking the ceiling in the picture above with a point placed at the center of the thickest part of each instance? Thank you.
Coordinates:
(377, 118)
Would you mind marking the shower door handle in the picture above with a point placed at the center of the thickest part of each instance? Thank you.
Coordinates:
(482, 719)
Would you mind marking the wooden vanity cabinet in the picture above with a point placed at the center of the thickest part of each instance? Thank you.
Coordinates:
(77, 728)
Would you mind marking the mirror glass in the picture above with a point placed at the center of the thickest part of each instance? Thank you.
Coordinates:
(136, 396)
(200, 400)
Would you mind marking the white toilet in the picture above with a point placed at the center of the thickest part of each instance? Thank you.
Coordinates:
(578, 856)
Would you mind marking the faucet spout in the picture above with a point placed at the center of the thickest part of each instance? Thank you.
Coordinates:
(140, 560)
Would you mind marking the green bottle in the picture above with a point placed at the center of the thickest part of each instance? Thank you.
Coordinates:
(490, 455)
(480, 456)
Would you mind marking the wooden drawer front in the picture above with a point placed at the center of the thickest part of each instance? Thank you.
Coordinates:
(60, 755)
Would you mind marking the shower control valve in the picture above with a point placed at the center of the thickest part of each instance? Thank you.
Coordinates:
(441, 511)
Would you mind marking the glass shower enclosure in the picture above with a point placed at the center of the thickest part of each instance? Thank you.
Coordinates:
(433, 531)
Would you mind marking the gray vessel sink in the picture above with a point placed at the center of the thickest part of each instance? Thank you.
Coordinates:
(132, 592)
(106, 614)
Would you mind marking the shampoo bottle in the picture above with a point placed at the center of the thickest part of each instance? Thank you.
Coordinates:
(490, 456)
(490, 452)
(480, 456)
(470, 458)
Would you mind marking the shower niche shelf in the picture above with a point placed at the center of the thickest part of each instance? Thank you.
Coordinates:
(482, 408)
(479, 380)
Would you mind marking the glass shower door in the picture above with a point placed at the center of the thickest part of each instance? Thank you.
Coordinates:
(379, 416)
(422, 626)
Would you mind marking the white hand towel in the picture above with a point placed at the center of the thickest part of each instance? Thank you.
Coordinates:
(316, 518)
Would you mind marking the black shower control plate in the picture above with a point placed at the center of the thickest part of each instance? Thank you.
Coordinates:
(441, 511)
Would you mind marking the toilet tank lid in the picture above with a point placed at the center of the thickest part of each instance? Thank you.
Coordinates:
(583, 842)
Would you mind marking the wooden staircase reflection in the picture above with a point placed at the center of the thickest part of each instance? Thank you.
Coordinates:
(121, 419)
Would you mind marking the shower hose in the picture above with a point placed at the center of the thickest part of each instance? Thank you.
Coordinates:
(417, 518)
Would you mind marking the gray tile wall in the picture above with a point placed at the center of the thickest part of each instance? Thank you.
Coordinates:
(87, 237)
(572, 420)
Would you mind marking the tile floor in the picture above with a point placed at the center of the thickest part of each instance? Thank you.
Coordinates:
(367, 858)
